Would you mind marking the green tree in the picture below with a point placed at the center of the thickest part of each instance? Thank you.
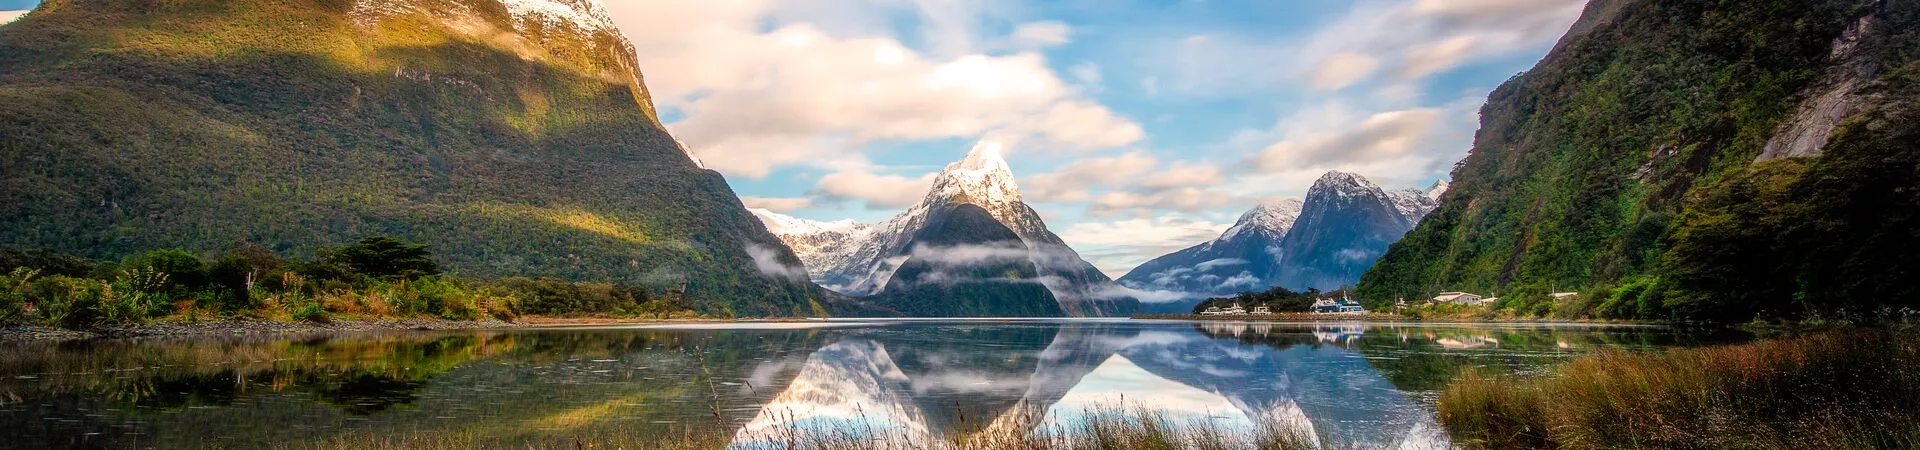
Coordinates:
(384, 258)
(184, 271)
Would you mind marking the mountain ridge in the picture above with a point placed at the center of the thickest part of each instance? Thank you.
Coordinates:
(514, 144)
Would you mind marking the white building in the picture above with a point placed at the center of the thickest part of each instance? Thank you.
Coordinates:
(1459, 298)
(1211, 311)
(1262, 311)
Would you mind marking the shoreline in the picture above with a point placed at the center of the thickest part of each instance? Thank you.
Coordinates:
(243, 327)
(1382, 318)
(264, 327)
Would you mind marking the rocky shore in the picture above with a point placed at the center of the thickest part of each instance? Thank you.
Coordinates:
(241, 327)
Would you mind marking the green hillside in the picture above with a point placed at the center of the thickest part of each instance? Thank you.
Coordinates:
(512, 147)
(1624, 167)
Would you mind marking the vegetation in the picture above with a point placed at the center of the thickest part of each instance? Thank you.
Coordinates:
(376, 277)
(1279, 299)
(1852, 389)
(513, 150)
(1623, 167)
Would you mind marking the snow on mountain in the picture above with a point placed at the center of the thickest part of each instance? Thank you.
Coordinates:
(1439, 187)
(1413, 204)
(860, 260)
(1344, 224)
(1272, 219)
(587, 15)
(1347, 224)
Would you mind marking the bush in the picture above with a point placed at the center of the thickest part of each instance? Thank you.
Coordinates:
(384, 258)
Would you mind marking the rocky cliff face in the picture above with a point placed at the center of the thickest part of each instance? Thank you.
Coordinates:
(515, 137)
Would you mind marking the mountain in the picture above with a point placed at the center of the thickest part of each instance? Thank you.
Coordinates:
(1346, 224)
(1237, 261)
(1323, 243)
(965, 263)
(1693, 161)
(863, 260)
(514, 136)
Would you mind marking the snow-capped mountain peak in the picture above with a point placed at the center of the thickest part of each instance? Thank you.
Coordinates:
(982, 178)
(1274, 218)
(1439, 187)
(785, 225)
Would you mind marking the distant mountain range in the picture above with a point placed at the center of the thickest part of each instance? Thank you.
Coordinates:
(971, 247)
(1325, 242)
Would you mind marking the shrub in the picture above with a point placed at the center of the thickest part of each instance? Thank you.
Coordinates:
(384, 258)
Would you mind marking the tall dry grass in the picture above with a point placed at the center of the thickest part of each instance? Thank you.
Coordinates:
(1835, 390)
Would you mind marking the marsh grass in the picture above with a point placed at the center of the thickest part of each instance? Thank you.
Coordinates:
(1847, 389)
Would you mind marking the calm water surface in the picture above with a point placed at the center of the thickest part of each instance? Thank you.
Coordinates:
(1352, 384)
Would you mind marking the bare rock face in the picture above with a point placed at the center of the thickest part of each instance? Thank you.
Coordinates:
(1835, 97)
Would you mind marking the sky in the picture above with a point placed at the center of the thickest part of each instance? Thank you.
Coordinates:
(1135, 127)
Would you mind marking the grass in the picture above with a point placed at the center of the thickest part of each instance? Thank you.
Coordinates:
(1838, 390)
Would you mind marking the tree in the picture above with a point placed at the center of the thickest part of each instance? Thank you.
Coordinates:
(384, 258)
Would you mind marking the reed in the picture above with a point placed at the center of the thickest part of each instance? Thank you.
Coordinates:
(1845, 389)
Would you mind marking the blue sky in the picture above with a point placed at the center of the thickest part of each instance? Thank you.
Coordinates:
(1136, 127)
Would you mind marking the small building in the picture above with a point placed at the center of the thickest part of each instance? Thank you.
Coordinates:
(1459, 298)
(1211, 311)
(1559, 296)
(1262, 311)
(1342, 306)
(1324, 306)
(1236, 310)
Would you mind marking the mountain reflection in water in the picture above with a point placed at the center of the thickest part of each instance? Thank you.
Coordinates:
(1351, 385)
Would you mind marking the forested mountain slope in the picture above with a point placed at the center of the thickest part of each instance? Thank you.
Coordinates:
(1700, 160)
(514, 136)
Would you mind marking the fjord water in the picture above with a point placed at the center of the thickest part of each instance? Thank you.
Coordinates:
(1350, 384)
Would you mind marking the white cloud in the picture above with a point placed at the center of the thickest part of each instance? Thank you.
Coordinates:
(1184, 199)
(1381, 135)
(1072, 181)
(1421, 37)
(1222, 262)
(755, 96)
(9, 16)
(1115, 291)
(878, 191)
(1086, 73)
(1404, 40)
(779, 205)
(1243, 280)
(1183, 174)
(1117, 246)
(1341, 70)
(1041, 34)
(970, 255)
(767, 261)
